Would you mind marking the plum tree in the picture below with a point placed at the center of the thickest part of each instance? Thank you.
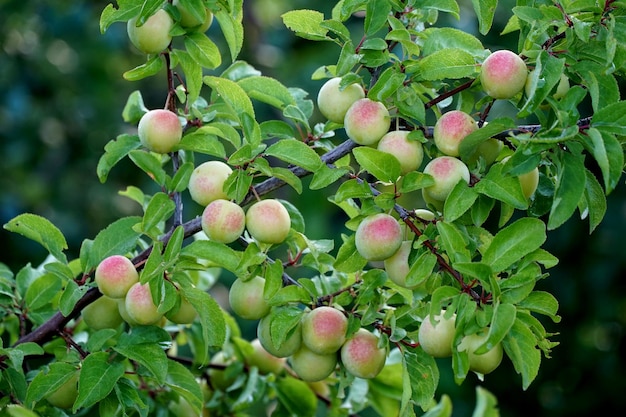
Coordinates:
(102, 314)
(483, 363)
(160, 130)
(223, 221)
(115, 275)
(290, 345)
(324, 330)
(409, 153)
(197, 20)
(246, 298)
(311, 366)
(451, 128)
(263, 360)
(503, 74)
(436, 334)
(447, 171)
(378, 236)
(207, 180)
(139, 305)
(367, 121)
(361, 355)
(65, 396)
(153, 36)
(268, 221)
(333, 102)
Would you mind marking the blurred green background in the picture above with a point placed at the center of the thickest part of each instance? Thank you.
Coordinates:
(61, 97)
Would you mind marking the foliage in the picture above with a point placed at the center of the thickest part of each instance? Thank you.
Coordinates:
(481, 256)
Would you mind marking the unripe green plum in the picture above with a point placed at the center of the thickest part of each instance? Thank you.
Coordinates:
(189, 21)
(265, 361)
(436, 339)
(311, 366)
(182, 408)
(447, 171)
(219, 378)
(184, 313)
(290, 345)
(378, 237)
(361, 355)
(529, 181)
(367, 121)
(223, 221)
(115, 275)
(486, 362)
(561, 89)
(397, 265)
(140, 307)
(268, 221)
(207, 180)
(154, 35)
(424, 214)
(324, 330)
(160, 130)
(246, 298)
(451, 128)
(102, 314)
(503, 74)
(65, 396)
(487, 150)
(334, 103)
(409, 153)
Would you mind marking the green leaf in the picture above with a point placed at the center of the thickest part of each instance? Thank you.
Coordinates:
(232, 28)
(486, 404)
(442, 409)
(376, 14)
(183, 382)
(232, 94)
(180, 180)
(423, 374)
(607, 152)
(421, 269)
(306, 23)
(151, 67)
(267, 90)
(447, 63)
(149, 355)
(118, 238)
(514, 242)
(159, 209)
(384, 166)
(485, 10)
(238, 185)
(570, 188)
(218, 254)
(387, 84)
(203, 50)
(348, 258)
(611, 119)
(211, 320)
(98, 376)
(415, 180)
(296, 396)
(40, 230)
(453, 242)
(503, 318)
(543, 303)
(447, 37)
(460, 199)
(126, 10)
(502, 187)
(134, 108)
(115, 151)
(203, 140)
(594, 202)
(325, 176)
(469, 144)
(519, 346)
(150, 164)
(47, 382)
(71, 294)
(193, 73)
(295, 152)
(449, 6)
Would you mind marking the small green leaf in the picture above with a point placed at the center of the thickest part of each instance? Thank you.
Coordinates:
(40, 230)
(423, 374)
(267, 90)
(44, 383)
(114, 151)
(159, 209)
(384, 166)
(150, 164)
(182, 381)
(543, 303)
(193, 73)
(232, 94)
(211, 319)
(595, 201)
(203, 140)
(447, 37)
(325, 176)
(520, 347)
(126, 10)
(387, 84)
(486, 404)
(449, 6)
(348, 258)
(218, 254)
(421, 269)
(203, 50)
(376, 14)
(447, 63)
(453, 241)
(570, 188)
(151, 67)
(485, 10)
(134, 108)
(501, 322)
(306, 23)
(296, 396)
(295, 152)
(502, 187)
(149, 355)
(461, 199)
(514, 242)
(98, 376)
(232, 28)
(611, 119)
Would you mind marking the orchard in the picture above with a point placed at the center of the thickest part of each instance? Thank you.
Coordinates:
(373, 242)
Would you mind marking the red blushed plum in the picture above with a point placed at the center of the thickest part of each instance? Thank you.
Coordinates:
(311, 366)
(246, 298)
(223, 221)
(367, 121)
(436, 338)
(324, 330)
(378, 237)
(268, 221)
(102, 314)
(447, 171)
(503, 74)
(486, 362)
(207, 180)
(409, 153)
(140, 307)
(263, 360)
(334, 102)
(154, 35)
(451, 128)
(289, 346)
(361, 355)
(115, 275)
(160, 130)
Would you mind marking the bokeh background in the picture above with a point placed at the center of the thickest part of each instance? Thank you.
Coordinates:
(61, 97)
